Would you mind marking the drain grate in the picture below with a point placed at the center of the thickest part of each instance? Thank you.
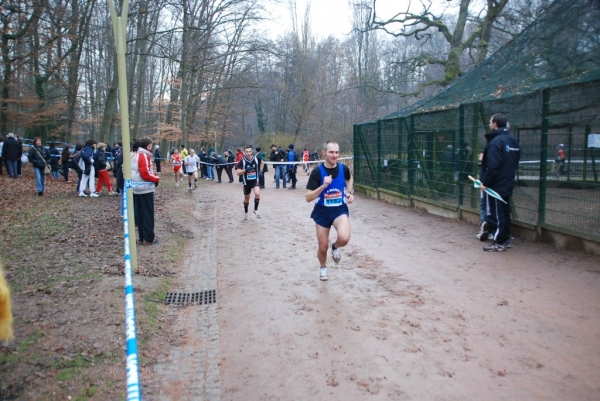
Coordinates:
(207, 201)
(191, 298)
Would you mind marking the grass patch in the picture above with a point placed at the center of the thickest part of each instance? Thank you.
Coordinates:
(14, 357)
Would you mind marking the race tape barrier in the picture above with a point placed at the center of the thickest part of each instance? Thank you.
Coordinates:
(271, 163)
(134, 390)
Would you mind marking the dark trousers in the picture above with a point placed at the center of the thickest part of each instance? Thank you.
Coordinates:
(219, 171)
(1, 161)
(143, 205)
(293, 179)
(65, 167)
(203, 172)
(229, 172)
(19, 165)
(261, 179)
(158, 166)
(499, 219)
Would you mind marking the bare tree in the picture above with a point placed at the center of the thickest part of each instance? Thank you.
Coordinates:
(426, 23)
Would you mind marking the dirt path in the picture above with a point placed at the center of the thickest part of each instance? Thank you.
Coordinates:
(414, 311)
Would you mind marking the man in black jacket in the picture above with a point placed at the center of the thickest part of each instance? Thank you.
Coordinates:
(157, 158)
(11, 152)
(278, 156)
(498, 168)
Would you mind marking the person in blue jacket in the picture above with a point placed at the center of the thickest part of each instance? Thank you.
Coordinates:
(498, 169)
(328, 184)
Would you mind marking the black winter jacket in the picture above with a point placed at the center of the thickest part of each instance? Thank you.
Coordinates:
(12, 150)
(100, 160)
(500, 162)
(40, 159)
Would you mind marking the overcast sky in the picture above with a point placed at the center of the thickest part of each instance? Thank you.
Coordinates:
(331, 17)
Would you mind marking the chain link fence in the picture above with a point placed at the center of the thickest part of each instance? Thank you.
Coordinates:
(547, 82)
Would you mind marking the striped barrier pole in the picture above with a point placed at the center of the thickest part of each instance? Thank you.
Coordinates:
(134, 391)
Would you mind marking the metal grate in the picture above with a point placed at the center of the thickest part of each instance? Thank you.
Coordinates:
(208, 201)
(191, 298)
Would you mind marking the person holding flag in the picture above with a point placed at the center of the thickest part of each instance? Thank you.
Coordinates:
(498, 169)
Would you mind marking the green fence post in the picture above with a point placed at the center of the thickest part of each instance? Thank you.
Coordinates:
(355, 153)
(378, 154)
(461, 141)
(400, 157)
(475, 195)
(544, 155)
(586, 137)
(411, 155)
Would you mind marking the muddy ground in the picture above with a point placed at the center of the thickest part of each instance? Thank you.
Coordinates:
(414, 311)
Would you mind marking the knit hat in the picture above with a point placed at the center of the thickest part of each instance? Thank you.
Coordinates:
(291, 146)
(156, 147)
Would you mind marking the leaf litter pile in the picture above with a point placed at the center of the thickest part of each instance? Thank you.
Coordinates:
(63, 259)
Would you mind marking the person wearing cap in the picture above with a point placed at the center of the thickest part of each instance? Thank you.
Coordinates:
(293, 167)
(11, 152)
(157, 158)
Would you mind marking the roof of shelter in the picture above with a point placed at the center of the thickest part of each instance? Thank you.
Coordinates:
(561, 47)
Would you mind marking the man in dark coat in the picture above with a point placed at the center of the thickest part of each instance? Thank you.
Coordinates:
(157, 158)
(11, 152)
(498, 169)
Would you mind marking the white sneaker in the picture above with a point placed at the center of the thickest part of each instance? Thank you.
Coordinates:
(336, 254)
(323, 275)
(257, 214)
(83, 195)
(190, 189)
(94, 195)
(245, 216)
(177, 184)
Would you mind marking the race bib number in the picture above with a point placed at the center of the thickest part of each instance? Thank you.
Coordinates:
(251, 176)
(333, 198)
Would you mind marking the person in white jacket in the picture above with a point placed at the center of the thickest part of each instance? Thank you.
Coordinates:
(143, 195)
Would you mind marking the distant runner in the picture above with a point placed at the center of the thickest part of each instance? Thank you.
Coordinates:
(327, 184)
(176, 162)
(248, 168)
(191, 167)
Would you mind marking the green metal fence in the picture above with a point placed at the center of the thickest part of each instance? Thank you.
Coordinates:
(430, 154)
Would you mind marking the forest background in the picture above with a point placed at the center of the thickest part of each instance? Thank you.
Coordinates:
(208, 72)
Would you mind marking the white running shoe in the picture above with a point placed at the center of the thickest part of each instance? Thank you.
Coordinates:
(83, 195)
(257, 214)
(177, 184)
(190, 189)
(336, 254)
(245, 216)
(323, 275)
(94, 195)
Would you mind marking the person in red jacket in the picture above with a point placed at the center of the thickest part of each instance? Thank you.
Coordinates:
(143, 195)
(305, 159)
(238, 156)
